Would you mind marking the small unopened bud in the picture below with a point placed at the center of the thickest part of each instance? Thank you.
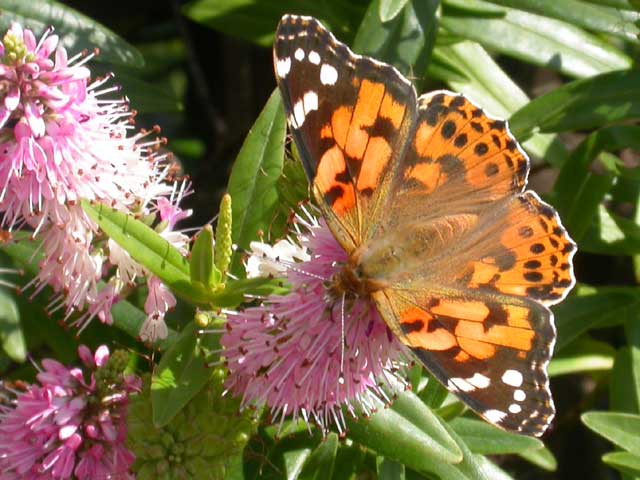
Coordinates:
(223, 247)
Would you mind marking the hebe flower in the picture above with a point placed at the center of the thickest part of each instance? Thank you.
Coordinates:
(288, 353)
(72, 423)
(63, 138)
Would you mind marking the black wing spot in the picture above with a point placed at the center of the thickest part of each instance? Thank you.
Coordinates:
(448, 129)
(414, 326)
(458, 101)
(481, 149)
(537, 248)
(461, 140)
(533, 276)
(477, 127)
(491, 169)
(533, 264)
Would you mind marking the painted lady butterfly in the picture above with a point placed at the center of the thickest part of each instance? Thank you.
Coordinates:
(427, 197)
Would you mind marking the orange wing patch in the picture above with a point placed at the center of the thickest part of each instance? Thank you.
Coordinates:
(474, 328)
(456, 141)
(360, 157)
(534, 255)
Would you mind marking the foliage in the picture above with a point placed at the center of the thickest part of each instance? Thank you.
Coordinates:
(582, 133)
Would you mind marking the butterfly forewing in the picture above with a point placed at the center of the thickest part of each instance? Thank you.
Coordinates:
(350, 117)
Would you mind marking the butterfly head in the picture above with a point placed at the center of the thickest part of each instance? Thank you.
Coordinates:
(351, 282)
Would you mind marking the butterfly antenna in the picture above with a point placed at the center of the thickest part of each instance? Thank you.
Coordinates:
(342, 340)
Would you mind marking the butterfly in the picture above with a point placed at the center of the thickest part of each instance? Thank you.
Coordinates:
(427, 196)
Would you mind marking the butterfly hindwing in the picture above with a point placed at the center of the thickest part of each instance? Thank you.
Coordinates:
(350, 117)
(524, 252)
(491, 351)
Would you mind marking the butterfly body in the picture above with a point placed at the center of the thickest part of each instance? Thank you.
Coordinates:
(427, 197)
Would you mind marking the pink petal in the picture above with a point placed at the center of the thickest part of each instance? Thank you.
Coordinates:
(86, 356)
(34, 117)
(102, 355)
(12, 100)
(29, 40)
(48, 46)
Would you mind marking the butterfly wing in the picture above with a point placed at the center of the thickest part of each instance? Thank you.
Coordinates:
(470, 263)
(350, 118)
(490, 350)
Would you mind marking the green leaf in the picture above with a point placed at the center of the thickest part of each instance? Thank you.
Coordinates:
(619, 428)
(583, 355)
(539, 40)
(148, 97)
(11, 335)
(434, 394)
(256, 20)
(77, 31)
(408, 433)
(621, 4)
(320, 463)
(610, 234)
(255, 173)
(595, 18)
(237, 291)
(579, 190)
(148, 248)
(411, 407)
(406, 41)
(389, 9)
(486, 83)
(201, 266)
(483, 438)
(591, 307)
(593, 102)
(473, 466)
(624, 386)
(625, 462)
(273, 454)
(542, 458)
(181, 374)
(389, 469)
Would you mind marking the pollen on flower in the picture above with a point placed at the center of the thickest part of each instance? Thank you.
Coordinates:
(292, 354)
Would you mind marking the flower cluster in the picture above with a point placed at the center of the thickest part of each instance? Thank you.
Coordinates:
(72, 423)
(65, 137)
(306, 353)
(201, 441)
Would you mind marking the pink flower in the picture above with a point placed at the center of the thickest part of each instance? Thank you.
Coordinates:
(63, 138)
(73, 423)
(287, 353)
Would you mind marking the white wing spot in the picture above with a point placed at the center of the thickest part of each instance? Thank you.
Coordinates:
(299, 54)
(513, 378)
(462, 384)
(292, 121)
(328, 74)
(519, 395)
(283, 65)
(515, 408)
(479, 381)
(298, 113)
(314, 57)
(494, 416)
(310, 101)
